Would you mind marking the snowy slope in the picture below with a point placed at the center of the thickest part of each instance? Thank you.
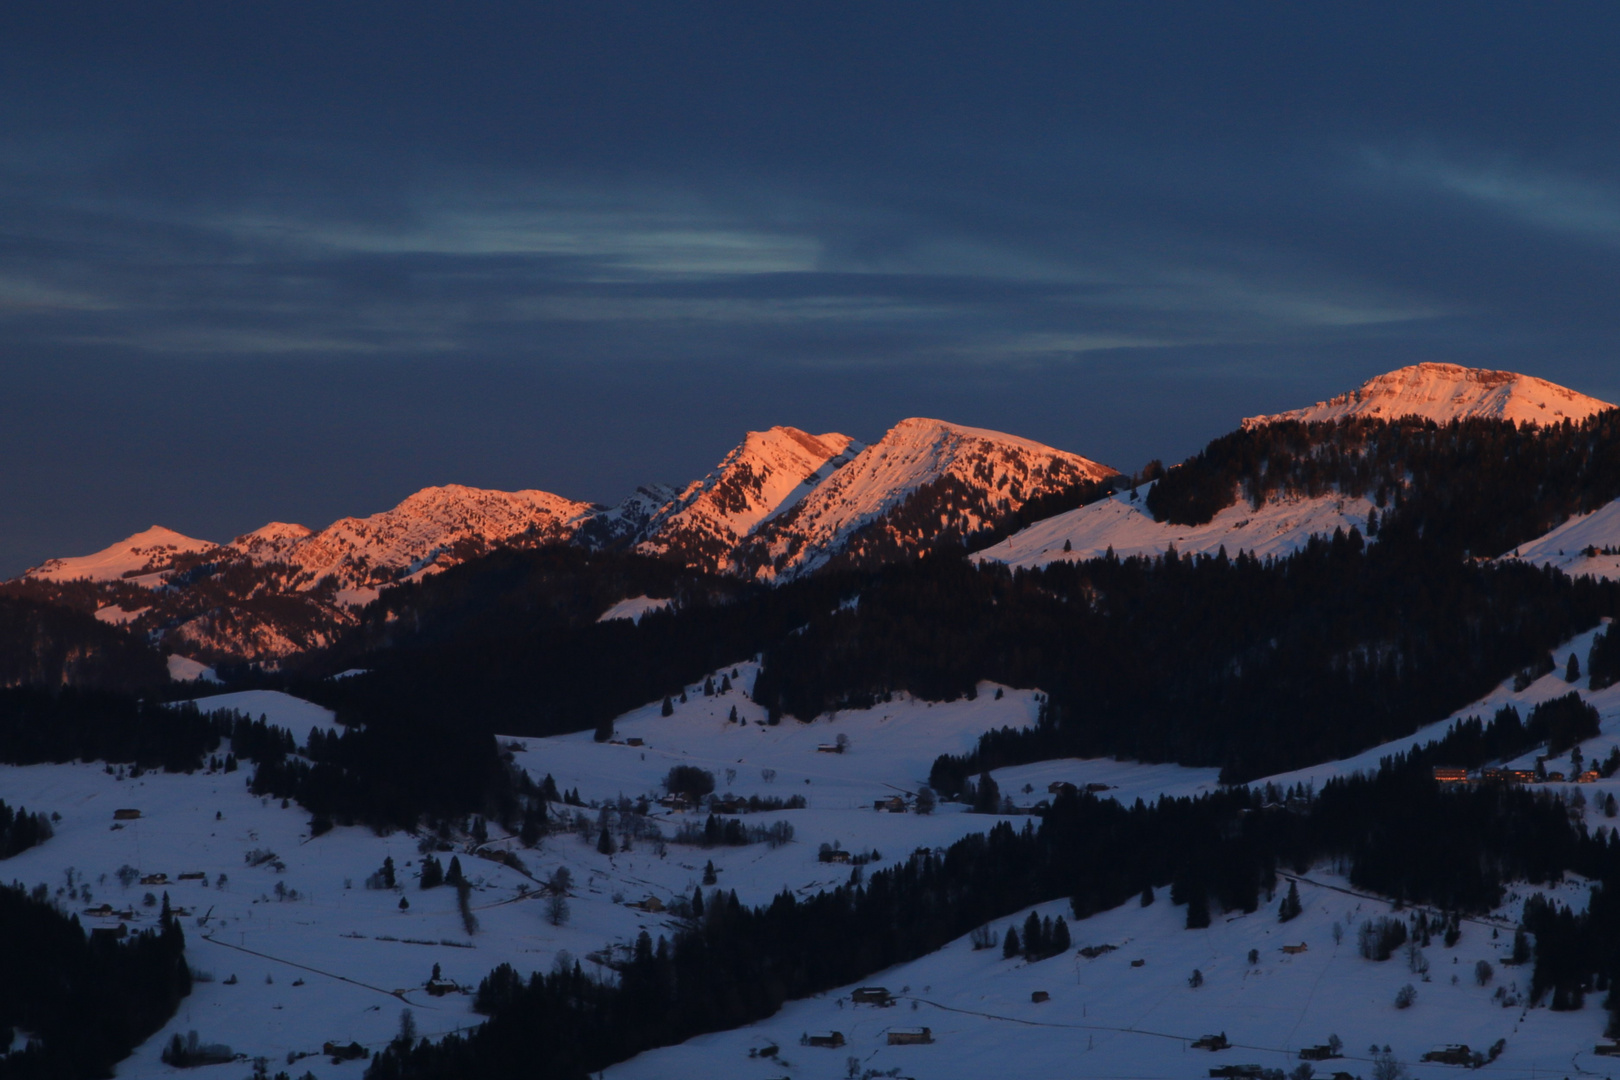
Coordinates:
(146, 551)
(1566, 547)
(282, 710)
(1443, 392)
(923, 479)
(632, 608)
(1130, 1014)
(1280, 527)
(768, 473)
(1543, 689)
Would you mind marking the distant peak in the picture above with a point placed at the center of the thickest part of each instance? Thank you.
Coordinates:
(1446, 392)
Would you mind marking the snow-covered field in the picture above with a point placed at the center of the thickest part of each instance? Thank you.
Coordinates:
(328, 959)
(1280, 527)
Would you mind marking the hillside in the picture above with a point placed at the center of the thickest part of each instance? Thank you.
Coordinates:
(1446, 392)
(1122, 524)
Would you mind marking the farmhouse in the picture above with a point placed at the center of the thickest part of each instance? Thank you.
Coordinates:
(1451, 1054)
(871, 995)
(894, 804)
(1295, 950)
(830, 1040)
(1039, 996)
(1212, 1042)
(155, 879)
(126, 815)
(910, 1036)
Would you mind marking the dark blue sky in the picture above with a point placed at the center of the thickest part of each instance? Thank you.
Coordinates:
(282, 261)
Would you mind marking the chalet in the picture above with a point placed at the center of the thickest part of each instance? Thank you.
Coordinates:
(1452, 1054)
(1039, 996)
(1295, 950)
(1237, 1072)
(340, 1053)
(1137, 963)
(1212, 1042)
(126, 815)
(830, 1040)
(635, 741)
(105, 911)
(652, 904)
(155, 879)
(1095, 787)
(1608, 1049)
(675, 801)
(835, 855)
(910, 1036)
(440, 986)
(194, 875)
(829, 748)
(1555, 777)
(1317, 1053)
(1446, 775)
(1058, 787)
(1590, 776)
(731, 804)
(1523, 776)
(894, 804)
(871, 995)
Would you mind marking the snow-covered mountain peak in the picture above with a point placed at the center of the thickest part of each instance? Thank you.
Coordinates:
(968, 477)
(147, 551)
(763, 476)
(269, 543)
(1445, 392)
(453, 521)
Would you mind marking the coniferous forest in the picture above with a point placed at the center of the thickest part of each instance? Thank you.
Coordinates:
(85, 1002)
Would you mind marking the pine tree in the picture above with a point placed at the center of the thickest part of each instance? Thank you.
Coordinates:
(1290, 907)
(1147, 895)
(1060, 936)
(1197, 909)
(604, 842)
(669, 706)
(1009, 944)
(453, 876)
(733, 717)
(1034, 939)
(987, 797)
(708, 686)
(1572, 670)
(697, 903)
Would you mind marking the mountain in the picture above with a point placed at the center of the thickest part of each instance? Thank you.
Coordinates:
(925, 484)
(147, 552)
(767, 474)
(1122, 524)
(1445, 392)
(434, 527)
